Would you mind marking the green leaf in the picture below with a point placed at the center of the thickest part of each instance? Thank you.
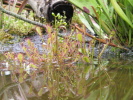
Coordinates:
(86, 59)
(80, 38)
(30, 90)
(86, 23)
(85, 3)
(130, 36)
(34, 66)
(39, 31)
(120, 12)
(21, 79)
(131, 2)
(20, 57)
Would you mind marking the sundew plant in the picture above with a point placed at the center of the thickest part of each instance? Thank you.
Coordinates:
(67, 66)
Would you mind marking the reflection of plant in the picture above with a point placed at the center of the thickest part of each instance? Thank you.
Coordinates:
(79, 81)
(67, 81)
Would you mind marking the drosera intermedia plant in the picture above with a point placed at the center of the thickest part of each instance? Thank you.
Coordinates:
(58, 62)
(59, 21)
(60, 80)
(69, 52)
(64, 48)
(57, 50)
(63, 75)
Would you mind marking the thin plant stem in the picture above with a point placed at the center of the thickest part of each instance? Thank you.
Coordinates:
(1, 15)
(21, 18)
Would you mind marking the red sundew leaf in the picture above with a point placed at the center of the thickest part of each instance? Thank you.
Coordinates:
(86, 10)
(79, 37)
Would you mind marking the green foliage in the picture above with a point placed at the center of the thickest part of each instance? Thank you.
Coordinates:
(59, 20)
(4, 37)
(59, 64)
(16, 26)
(75, 18)
(120, 12)
(104, 16)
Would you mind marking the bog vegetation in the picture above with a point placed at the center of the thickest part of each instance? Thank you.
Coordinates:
(62, 55)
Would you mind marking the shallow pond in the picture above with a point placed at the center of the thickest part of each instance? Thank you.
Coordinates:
(110, 79)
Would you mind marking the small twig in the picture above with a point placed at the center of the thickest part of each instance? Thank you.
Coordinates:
(21, 18)
(100, 40)
(18, 4)
(1, 14)
(22, 6)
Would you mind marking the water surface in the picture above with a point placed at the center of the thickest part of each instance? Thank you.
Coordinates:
(111, 79)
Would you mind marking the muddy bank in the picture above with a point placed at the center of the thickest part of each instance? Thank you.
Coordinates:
(17, 47)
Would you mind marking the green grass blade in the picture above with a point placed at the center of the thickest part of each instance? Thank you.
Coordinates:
(120, 12)
(130, 1)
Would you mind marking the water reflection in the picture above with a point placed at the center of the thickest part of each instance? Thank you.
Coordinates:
(105, 81)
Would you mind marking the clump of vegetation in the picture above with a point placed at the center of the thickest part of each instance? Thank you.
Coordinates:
(59, 63)
(16, 26)
(56, 50)
(58, 55)
(4, 36)
(75, 18)
(108, 18)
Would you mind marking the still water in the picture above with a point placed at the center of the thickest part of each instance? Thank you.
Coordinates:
(107, 80)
